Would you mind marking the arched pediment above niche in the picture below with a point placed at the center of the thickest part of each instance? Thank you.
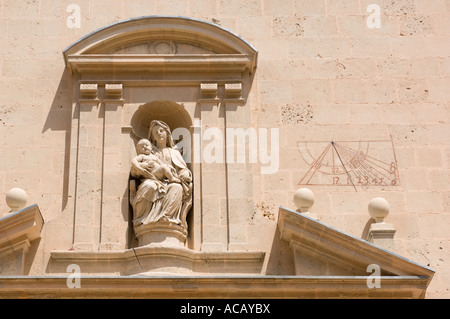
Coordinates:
(167, 111)
(156, 43)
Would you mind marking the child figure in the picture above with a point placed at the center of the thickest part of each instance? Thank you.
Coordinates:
(151, 164)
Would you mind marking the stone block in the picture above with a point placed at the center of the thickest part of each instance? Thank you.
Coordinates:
(394, 67)
(416, 26)
(331, 114)
(414, 179)
(18, 9)
(237, 8)
(213, 212)
(332, 48)
(238, 236)
(276, 8)
(319, 27)
(400, 7)
(57, 28)
(173, 7)
(433, 225)
(312, 91)
(271, 49)
(422, 202)
(275, 92)
(428, 7)
(365, 114)
(310, 8)
(14, 91)
(345, 7)
(370, 47)
(304, 48)
(23, 27)
(103, 9)
(438, 134)
(441, 25)
(409, 47)
(288, 27)
(364, 91)
(203, 8)
(214, 238)
(430, 113)
(399, 113)
(438, 178)
(429, 157)
(436, 47)
(256, 27)
(437, 90)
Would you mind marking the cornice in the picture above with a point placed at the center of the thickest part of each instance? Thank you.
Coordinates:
(225, 63)
(95, 52)
(212, 287)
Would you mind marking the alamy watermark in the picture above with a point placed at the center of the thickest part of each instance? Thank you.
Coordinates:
(231, 145)
(374, 19)
(73, 21)
(74, 279)
(374, 280)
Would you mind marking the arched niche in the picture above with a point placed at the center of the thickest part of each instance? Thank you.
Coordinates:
(176, 117)
(173, 114)
(169, 112)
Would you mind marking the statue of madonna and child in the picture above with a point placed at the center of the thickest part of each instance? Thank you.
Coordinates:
(164, 195)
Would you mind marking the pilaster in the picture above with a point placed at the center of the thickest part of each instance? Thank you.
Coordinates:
(239, 138)
(115, 171)
(213, 171)
(88, 188)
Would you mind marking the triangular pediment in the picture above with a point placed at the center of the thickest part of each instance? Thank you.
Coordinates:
(155, 43)
(321, 250)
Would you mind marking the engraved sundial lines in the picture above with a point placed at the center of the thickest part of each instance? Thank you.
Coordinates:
(349, 163)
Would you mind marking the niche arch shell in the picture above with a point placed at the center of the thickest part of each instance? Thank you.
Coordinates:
(169, 112)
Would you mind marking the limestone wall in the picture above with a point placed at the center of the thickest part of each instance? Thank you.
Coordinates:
(327, 72)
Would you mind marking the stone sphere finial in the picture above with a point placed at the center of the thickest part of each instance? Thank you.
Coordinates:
(378, 209)
(16, 199)
(303, 199)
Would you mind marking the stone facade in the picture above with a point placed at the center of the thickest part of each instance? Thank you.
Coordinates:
(354, 103)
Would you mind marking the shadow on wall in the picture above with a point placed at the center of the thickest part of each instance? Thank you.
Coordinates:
(366, 229)
(281, 258)
(59, 119)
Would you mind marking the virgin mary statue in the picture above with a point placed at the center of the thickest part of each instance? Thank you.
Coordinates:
(158, 199)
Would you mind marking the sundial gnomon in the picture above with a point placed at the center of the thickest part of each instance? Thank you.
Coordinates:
(350, 163)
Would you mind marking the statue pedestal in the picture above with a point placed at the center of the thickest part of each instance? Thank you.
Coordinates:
(161, 233)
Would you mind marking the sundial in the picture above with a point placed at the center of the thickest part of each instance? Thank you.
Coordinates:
(350, 163)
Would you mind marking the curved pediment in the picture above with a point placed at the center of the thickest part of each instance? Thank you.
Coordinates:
(148, 42)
